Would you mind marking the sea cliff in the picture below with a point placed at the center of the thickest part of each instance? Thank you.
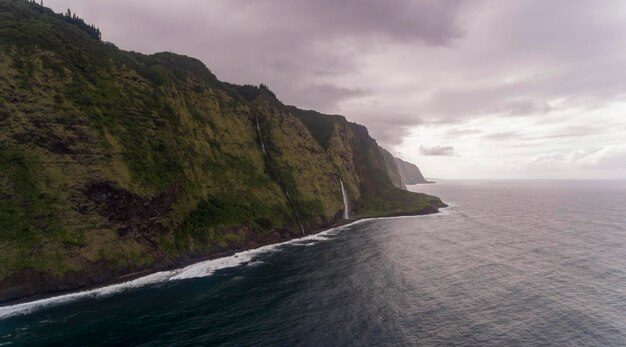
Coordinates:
(116, 162)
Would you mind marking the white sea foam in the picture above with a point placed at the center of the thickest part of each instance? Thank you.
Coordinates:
(28, 307)
(201, 269)
(447, 211)
(207, 268)
(255, 263)
(451, 204)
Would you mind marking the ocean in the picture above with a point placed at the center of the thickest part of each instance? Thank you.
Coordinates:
(509, 263)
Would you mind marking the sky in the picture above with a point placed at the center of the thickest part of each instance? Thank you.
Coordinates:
(462, 88)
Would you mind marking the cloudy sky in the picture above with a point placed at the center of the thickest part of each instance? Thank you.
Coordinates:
(463, 88)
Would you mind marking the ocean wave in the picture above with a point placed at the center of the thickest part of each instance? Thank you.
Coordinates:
(255, 263)
(28, 307)
(201, 269)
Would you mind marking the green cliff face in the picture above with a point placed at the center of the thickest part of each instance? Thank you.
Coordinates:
(113, 162)
(392, 169)
(409, 173)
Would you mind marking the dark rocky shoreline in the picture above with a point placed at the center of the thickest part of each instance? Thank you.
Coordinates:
(34, 284)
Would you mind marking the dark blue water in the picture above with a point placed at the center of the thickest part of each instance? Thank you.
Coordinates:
(511, 263)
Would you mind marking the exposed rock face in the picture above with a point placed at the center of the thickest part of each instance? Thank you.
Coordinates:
(410, 173)
(113, 162)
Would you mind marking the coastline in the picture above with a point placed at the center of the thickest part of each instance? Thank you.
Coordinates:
(179, 270)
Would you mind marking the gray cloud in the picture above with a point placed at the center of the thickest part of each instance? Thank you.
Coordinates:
(503, 135)
(388, 127)
(565, 132)
(569, 54)
(607, 158)
(432, 22)
(568, 132)
(324, 96)
(524, 107)
(388, 135)
(456, 132)
(447, 151)
(603, 158)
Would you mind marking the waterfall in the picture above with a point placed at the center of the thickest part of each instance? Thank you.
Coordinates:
(258, 129)
(346, 202)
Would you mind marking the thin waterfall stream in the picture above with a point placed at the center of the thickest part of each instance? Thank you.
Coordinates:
(346, 202)
(258, 129)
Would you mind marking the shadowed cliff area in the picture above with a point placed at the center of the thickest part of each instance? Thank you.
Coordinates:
(115, 162)
(409, 173)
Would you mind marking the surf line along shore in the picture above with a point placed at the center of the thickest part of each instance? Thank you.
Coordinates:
(199, 267)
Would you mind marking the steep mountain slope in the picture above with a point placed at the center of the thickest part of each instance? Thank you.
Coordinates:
(392, 169)
(115, 162)
(409, 173)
